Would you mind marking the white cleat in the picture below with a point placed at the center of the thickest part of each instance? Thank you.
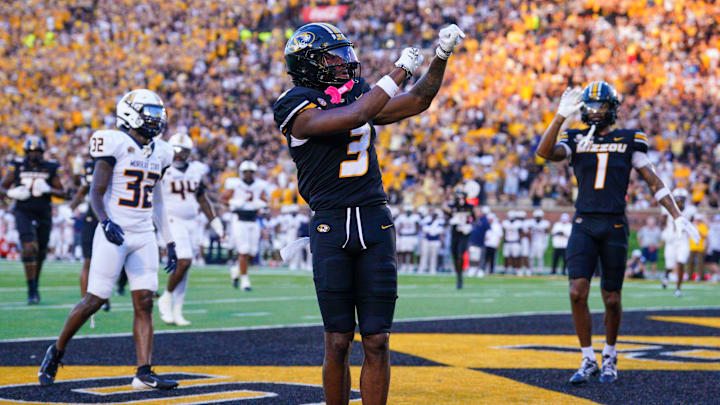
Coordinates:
(180, 321)
(165, 308)
(678, 293)
(480, 274)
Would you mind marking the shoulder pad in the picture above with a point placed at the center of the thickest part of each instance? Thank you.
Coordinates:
(292, 103)
(107, 143)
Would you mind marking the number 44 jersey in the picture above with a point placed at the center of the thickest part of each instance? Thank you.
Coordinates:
(334, 170)
(181, 189)
(603, 168)
(136, 170)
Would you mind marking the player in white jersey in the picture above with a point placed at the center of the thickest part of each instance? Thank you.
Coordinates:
(288, 228)
(677, 243)
(247, 195)
(523, 224)
(538, 227)
(511, 244)
(407, 225)
(128, 165)
(184, 195)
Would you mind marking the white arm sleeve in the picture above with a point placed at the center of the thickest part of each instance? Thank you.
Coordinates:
(160, 215)
(640, 159)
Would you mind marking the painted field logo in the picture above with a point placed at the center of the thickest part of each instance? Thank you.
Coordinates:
(194, 388)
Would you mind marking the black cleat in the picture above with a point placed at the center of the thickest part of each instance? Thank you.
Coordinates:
(106, 305)
(609, 369)
(33, 298)
(152, 381)
(236, 283)
(587, 368)
(49, 366)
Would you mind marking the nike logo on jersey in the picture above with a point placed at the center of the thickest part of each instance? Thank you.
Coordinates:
(619, 226)
(601, 147)
(385, 226)
(618, 139)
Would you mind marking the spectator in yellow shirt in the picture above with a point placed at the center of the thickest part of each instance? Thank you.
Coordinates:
(697, 250)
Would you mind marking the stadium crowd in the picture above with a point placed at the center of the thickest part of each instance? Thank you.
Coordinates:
(219, 67)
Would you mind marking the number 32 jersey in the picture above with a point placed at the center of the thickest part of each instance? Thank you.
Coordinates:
(603, 169)
(334, 170)
(136, 171)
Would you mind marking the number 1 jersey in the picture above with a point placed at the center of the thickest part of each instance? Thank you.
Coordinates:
(334, 170)
(136, 170)
(603, 168)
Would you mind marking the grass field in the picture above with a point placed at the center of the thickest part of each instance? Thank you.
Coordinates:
(288, 298)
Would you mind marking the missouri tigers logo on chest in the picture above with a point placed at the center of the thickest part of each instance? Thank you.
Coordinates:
(601, 148)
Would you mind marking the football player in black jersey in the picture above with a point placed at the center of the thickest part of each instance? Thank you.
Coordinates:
(31, 181)
(602, 158)
(327, 120)
(462, 218)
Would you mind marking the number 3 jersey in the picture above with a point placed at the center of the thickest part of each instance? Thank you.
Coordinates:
(603, 168)
(136, 170)
(181, 189)
(334, 170)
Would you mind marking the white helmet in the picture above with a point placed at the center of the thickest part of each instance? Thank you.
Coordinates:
(538, 213)
(521, 214)
(680, 193)
(564, 217)
(511, 214)
(407, 207)
(247, 166)
(143, 111)
(181, 140)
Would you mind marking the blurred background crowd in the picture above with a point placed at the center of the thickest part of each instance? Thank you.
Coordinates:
(219, 67)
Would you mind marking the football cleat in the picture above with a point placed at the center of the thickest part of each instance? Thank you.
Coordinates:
(609, 369)
(587, 368)
(235, 282)
(152, 381)
(179, 318)
(106, 305)
(678, 293)
(245, 284)
(664, 282)
(49, 366)
(165, 308)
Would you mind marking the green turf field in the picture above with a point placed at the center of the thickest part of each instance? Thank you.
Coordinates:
(284, 298)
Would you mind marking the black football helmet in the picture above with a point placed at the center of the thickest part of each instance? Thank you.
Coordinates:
(318, 55)
(34, 147)
(599, 96)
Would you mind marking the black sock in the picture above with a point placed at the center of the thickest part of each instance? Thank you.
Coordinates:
(58, 353)
(143, 370)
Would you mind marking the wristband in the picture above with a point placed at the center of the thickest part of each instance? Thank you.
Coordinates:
(388, 85)
(660, 194)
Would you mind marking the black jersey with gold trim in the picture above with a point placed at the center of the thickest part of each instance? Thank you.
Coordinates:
(27, 175)
(603, 167)
(335, 170)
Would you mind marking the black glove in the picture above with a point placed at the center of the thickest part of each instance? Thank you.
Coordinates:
(172, 258)
(113, 232)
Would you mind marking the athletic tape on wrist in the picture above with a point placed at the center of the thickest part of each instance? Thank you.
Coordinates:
(388, 85)
(660, 194)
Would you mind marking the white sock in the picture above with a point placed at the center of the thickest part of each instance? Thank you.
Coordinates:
(609, 350)
(588, 352)
(245, 279)
(179, 292)
(234, 270)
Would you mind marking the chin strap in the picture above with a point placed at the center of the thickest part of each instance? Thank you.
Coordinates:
(587, 140)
